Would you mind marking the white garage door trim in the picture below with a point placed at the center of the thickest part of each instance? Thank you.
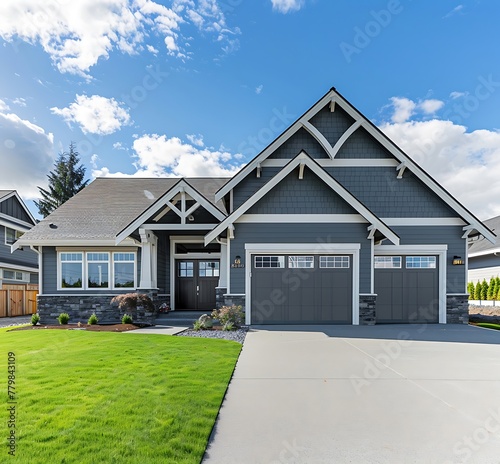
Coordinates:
(439, 250)
(301, 248)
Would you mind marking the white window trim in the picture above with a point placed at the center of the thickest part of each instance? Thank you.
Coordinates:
(25, 275)
(108, 262)
(334, 256)
(301, 267)
(385, 267)
(305, 248)
(440, 250)
(16, 232)
(111, 269)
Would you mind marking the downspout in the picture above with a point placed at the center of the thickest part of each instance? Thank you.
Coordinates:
(38, 251)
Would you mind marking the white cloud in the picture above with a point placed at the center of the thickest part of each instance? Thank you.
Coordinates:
(465, 163)
(152, 49)
(258, 90)
(196, 139)
(95, 114)
(457, 9)
(29, 151)
(455, 95)
(160, 156)
(403, 109)
(19, 101)
(3, 106)
(76, 35)
(286, 6)
(430, 106)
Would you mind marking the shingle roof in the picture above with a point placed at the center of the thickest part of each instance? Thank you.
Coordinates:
(484, 245)
(107, 205)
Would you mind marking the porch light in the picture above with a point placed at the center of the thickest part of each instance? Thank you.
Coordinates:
(458, 261)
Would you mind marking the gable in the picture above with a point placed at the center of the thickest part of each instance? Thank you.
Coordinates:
(299, 141)
(332, 124)
(309, 195)
(12, 207)
(360, 145)
(167, 216)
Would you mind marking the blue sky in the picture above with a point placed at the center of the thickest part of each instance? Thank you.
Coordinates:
(195, 88)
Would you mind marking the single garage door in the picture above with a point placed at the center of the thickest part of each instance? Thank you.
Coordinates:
(407, 289)
(301, 289)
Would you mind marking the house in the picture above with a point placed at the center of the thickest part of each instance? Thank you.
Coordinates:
(484, 256)
(330, 224)
(19, 270)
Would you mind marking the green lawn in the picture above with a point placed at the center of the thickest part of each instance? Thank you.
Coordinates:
(113, 397)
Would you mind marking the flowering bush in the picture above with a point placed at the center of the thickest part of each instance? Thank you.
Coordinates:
(229, 314)
(129, 301)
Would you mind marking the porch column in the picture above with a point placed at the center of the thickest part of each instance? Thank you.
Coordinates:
(223, 264)
(148, 259)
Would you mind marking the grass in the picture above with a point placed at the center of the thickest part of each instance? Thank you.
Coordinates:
(488, 325)
(94, 397)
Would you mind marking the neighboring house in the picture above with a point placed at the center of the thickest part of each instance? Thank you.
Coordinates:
(330, 224)
(484, 256)
(18, 270)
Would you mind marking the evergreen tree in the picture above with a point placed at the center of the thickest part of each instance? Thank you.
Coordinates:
(484, 290)
(492, 290)
(470, 290)
(66, 180)
(477, 291)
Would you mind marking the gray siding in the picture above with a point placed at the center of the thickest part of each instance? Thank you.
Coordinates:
(307, 196)
(361, 145)
(300, 233)
(440, 235)
(384, 194)
(301, 140)
(25, 257)
(49, 274)
(250, 184)
(12, 207)
(332, 125)
(485, 261)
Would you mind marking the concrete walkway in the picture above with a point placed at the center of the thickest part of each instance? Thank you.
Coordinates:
(383, 394)
(158, 330)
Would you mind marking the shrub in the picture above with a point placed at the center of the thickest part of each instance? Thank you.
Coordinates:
(233, 314)
(477, 291)
(471, 290)
(197, 325)
(35, 318)
(126, 319)
(484, 290)
(228, 326)
(130, 301)
(63, 318)
(93, 320)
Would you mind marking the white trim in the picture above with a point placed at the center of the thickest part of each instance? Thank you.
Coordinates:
(299, 218)
(345, 136)
(491, 251)
(320, 138)
(424, 221)
(27, 211)
(181, 187)
(73, 243)
(18, 267)
(325, 177)
(440, 250)
(298, 248)
(40, 267)
(187, 226)
(24, 227)
(337, 162)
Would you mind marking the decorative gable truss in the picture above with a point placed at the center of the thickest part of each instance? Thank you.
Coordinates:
(400, 161)
(302, 160)
(177, 200)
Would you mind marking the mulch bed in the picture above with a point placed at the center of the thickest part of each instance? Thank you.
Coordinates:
(88, 327)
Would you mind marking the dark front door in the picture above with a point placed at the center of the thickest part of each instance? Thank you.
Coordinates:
(196, 280)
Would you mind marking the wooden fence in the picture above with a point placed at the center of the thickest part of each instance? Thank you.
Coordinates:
(18, 300)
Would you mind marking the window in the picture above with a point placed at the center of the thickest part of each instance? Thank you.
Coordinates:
(124, 270)
(71, 270)
(186, 269)
(387, 262)
(421, 262)
(11, 235)
(332, 262)
(296, 262)
(15, 275)
(98, 270)
(269, 261)
(208, 269)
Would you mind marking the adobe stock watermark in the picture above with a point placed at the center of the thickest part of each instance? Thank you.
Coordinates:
(363, 36)
(278, 122)
(290, 454)
(465, 448)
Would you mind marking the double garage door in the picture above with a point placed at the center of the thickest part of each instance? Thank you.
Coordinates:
(301, 289)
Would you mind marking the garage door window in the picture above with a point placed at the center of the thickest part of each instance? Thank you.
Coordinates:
(302, 262)
(387, 262)
(333, 262)
(269, 261)
(421, 262)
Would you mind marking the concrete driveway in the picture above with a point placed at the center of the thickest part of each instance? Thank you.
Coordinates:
(382, 394)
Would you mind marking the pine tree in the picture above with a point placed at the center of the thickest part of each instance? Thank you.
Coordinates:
(470, 290)
(492, 290)
(477, 291)
(66, 180)
(484, 290)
